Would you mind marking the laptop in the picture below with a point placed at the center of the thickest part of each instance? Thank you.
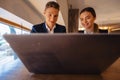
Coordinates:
(71, 53)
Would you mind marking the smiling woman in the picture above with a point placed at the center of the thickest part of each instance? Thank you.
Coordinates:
(88, 17)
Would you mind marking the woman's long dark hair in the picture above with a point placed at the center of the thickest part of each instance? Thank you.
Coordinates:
(89, 9)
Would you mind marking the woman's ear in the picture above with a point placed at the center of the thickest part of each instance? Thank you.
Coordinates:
(94, 18)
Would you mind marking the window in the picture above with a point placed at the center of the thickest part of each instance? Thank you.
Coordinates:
(5, 49)
(10, 24)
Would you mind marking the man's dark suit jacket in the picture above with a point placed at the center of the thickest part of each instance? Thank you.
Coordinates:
(41, 28)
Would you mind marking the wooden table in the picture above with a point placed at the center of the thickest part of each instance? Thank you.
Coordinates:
(17, 71)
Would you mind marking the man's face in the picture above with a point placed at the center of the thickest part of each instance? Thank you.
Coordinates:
(51, 16)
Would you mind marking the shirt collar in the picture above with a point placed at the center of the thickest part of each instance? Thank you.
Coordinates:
(85, 32)
(48, 29)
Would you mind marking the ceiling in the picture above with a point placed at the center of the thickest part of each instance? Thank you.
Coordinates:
(108, 11)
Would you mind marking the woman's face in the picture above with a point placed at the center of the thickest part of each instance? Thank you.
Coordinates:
(51, 16)
(87, 19)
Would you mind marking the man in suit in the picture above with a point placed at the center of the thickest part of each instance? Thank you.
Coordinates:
(51, 15)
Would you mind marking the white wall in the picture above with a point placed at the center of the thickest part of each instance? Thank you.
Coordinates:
(11, 17)
(23, 9)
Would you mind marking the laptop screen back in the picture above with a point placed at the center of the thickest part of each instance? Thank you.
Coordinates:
(66, 53)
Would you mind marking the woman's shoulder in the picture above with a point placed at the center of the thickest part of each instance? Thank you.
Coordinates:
(96, 28)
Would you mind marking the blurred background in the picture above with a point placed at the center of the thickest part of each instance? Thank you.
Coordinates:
(18, 17)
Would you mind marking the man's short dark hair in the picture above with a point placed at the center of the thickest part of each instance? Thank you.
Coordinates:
(52, 4)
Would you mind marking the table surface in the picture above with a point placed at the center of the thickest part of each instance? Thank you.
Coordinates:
(17, 71)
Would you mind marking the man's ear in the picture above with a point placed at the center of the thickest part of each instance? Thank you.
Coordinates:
(44, 12)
